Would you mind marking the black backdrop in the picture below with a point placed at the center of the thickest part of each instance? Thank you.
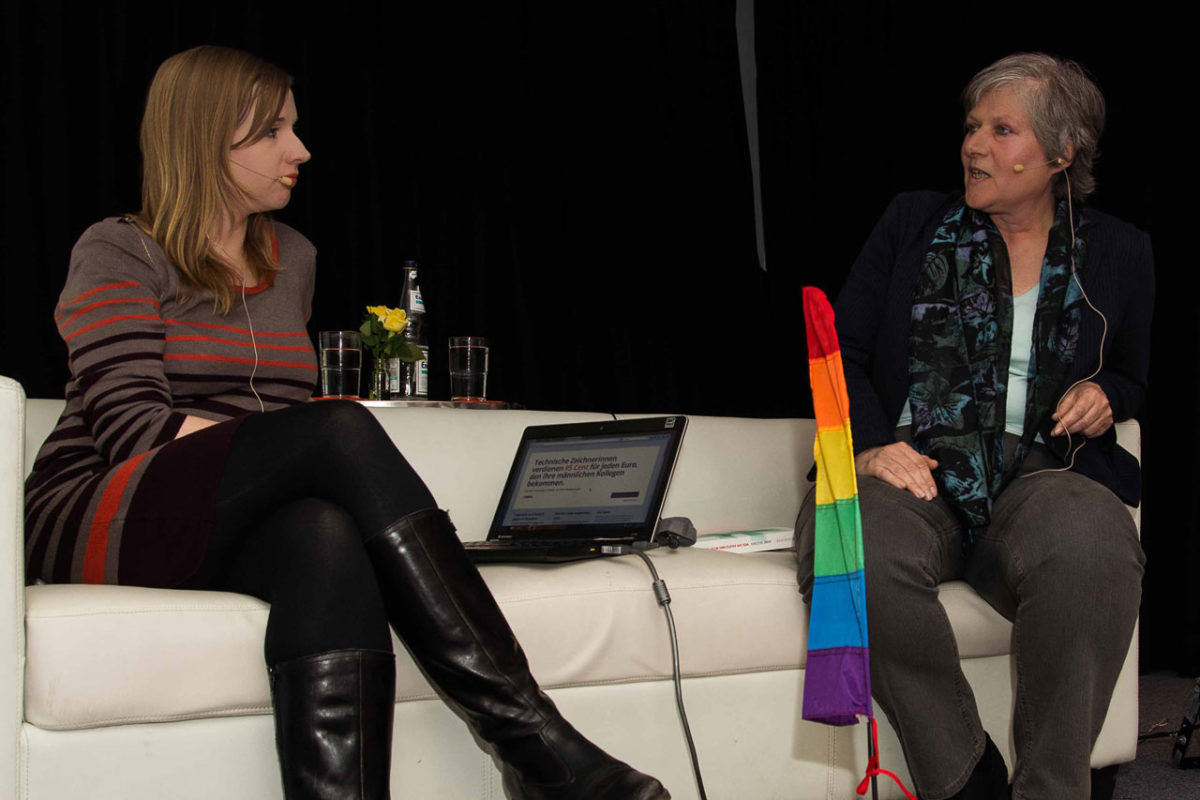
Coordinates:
(575, 182)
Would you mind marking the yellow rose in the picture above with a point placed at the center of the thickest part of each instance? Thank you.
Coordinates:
(379, 311)
(394, 320)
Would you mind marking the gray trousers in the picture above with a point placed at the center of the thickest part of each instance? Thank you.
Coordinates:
(1061, 560)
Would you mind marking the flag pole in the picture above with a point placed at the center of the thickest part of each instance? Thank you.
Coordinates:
(871, 754)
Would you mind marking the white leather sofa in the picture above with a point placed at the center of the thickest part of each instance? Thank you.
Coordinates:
(138, 694)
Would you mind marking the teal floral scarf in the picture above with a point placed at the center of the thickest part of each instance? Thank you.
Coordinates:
(959, 341)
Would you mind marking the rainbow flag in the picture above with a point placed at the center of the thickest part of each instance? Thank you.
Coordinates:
(837, 678)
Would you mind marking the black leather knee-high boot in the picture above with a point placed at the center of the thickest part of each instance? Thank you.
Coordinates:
(333, 724)
(443, 611)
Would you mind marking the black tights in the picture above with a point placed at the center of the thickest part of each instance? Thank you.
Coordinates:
(300, 490)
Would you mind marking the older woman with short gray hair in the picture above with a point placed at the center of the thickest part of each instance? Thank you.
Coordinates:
(1065, 107)
(990, 339)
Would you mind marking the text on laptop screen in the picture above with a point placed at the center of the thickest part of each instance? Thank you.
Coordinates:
(571, 481)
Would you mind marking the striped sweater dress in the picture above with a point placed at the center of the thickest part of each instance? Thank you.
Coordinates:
(113, 497)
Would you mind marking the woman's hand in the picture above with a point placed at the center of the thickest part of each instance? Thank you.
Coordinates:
(901, 466)
(1085, 409)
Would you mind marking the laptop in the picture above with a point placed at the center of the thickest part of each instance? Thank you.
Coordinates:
(578, 487)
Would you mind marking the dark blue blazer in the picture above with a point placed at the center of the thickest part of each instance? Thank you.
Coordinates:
(875, 305)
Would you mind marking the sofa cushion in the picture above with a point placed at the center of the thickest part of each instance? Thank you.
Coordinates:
(106, 655)
(582, 623)
(731, 473)
(740, 473)
(464, 455)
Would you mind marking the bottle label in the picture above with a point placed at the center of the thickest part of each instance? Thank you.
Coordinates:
(394, 367)
(422, 374)
(415, 302)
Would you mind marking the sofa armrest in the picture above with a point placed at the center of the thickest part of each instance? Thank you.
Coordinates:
(12, 580)
(1129, 436)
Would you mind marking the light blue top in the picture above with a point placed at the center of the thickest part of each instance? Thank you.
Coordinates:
(1024, 307)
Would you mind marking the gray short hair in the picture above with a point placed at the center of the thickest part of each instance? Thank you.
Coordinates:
(1064, 104)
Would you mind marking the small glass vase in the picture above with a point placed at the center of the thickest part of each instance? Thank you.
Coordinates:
(379, 389)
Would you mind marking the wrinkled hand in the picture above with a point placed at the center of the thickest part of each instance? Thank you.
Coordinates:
(901, 466)
(1085, 409)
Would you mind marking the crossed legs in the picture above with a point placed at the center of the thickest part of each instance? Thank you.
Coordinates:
(300, 491)
(319, 514)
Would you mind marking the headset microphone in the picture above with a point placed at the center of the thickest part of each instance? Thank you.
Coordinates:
(284, 179)
(1058, 162)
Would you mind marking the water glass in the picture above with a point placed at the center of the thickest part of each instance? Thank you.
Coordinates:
(341, 363)
(468, 368)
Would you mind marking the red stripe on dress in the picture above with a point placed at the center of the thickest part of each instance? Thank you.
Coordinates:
(109, 321)
(100, 303)
(300, 347)
(235, 360)
(228, 328)
(96, 556)
(106, 288)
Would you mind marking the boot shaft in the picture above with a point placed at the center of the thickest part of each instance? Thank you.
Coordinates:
(333, 724)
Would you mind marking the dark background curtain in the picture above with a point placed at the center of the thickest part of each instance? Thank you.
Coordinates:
(575, 183)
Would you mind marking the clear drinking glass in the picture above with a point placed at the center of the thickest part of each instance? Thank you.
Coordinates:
(341, 363)
(468, 368)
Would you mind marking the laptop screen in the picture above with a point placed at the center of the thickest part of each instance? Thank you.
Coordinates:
(609, 476)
